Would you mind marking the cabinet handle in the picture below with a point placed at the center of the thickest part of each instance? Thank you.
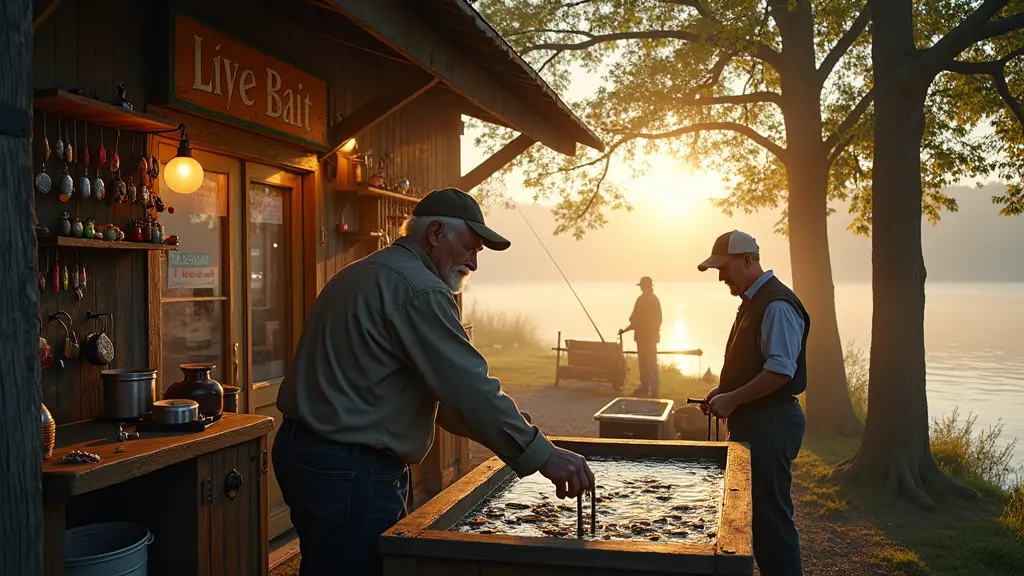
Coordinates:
(233, 483)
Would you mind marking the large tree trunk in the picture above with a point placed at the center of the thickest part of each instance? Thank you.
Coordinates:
(829, 411)
(21, 494)
(895, 452)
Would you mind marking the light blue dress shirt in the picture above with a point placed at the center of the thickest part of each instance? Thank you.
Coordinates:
(782, 332)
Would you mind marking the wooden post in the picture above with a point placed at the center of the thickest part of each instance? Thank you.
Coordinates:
(558, 356)
(21, 494)
(495, 162)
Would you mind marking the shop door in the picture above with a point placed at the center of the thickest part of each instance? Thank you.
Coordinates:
(273, 265)
(198, 299)
(232, 294)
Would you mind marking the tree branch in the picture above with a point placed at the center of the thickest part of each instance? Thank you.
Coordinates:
(597, 192)
(627, 136)
(550, 31)
(843, 45)
(761, 51)
(971, 30)
(596, 39)
(736, 127)
(749, 98)
(997, 70)
(548, 61)
(832, 143)
(695, 4)
(1008, 97)
(1003, 25)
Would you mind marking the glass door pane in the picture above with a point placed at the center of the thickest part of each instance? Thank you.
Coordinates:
(194, 292)
(270, 269)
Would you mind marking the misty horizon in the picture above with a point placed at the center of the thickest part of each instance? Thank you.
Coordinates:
(973, 245)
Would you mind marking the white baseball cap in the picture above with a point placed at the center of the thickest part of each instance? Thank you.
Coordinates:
(728, 244)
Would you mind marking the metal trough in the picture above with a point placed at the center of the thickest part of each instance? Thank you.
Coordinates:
(636, 419)
(422, 543)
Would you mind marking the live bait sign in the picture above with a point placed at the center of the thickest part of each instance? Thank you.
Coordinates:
(217, 76)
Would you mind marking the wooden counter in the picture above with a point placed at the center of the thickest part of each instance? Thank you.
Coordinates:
(183, 486)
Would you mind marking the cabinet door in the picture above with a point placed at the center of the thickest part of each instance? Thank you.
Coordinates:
(237, 524)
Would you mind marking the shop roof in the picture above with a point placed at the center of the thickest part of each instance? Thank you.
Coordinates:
(468, 34)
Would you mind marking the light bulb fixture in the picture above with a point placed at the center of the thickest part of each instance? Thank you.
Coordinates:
(183, 174)
(349, 147)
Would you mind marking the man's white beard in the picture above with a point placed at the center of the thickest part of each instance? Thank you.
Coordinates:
(456, 279)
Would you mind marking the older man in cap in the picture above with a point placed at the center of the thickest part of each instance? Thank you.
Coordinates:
(645, 322)
(765, 369)
(381, 349)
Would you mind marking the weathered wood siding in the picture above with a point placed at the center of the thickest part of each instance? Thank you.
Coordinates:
(97, 44)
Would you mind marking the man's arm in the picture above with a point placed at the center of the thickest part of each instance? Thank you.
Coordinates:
(452, 425)
(634, 317)
(782, 333)
(428, 334)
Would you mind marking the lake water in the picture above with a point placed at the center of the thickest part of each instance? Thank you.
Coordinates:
(973, 333)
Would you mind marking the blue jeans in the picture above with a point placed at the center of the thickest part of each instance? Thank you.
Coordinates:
(775, 434)
(342, 498)
(647, 360)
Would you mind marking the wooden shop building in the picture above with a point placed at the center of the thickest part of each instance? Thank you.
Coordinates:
(317, 125)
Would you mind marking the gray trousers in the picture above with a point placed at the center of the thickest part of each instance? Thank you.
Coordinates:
(647, 358)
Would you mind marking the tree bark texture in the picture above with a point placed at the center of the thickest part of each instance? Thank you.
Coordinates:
(895, 453)
(829, 410)
(21, 494)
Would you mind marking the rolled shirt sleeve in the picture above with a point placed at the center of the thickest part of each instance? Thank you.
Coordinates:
(782, 333)
(430, 336)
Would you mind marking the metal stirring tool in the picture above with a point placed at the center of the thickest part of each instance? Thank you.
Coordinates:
(593, 514)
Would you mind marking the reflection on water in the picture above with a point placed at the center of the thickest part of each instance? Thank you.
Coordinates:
(973, 339)
(653, 499)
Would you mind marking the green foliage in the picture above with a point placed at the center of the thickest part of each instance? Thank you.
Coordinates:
(857, 370)
(1013, 512)
(699, 81)
(976, 460)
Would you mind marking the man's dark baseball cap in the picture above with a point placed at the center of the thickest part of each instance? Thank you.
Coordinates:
(454, 203)
(646, 281)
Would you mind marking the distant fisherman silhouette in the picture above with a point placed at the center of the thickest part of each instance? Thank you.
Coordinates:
(645, 322)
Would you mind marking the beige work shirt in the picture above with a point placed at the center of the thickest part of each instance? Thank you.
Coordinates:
(383, 344)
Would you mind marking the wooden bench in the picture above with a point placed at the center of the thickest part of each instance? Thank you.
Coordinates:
(591, 361)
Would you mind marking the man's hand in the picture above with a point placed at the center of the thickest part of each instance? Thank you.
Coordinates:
(711, 394)
(722, 405)
(569, 473)
(526, 416)
(621, 331)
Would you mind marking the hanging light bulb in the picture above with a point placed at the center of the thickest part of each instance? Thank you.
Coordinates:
(183, 174)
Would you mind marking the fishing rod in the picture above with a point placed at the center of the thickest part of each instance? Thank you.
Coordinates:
(560, 272)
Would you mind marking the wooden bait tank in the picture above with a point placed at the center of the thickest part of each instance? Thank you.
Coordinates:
(425, 542)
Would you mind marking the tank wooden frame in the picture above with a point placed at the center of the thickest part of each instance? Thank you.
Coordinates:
(420, 544)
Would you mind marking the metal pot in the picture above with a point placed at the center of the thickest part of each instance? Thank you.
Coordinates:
(128, 393)
(175, 411)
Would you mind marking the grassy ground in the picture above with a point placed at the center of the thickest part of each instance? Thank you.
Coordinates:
(958, 538)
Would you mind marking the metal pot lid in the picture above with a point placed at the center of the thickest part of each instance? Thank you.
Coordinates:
(176, 404)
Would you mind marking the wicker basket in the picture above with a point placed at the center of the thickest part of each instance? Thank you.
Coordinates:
(49, 432)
